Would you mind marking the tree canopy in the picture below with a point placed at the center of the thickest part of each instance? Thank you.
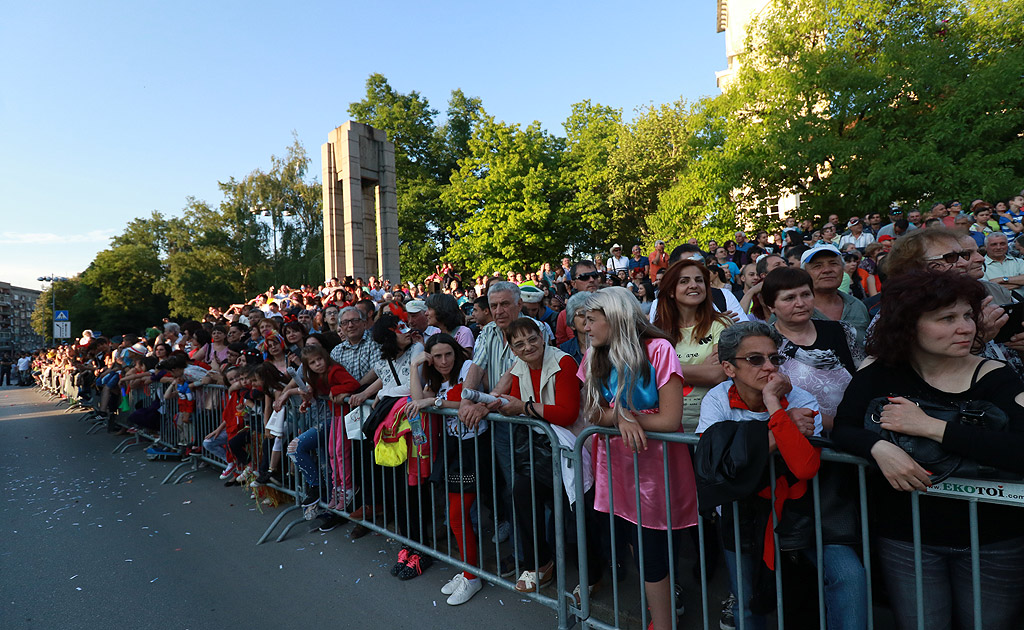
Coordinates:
(852, 104)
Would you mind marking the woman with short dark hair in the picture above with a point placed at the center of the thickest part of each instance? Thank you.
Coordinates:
(921, 351)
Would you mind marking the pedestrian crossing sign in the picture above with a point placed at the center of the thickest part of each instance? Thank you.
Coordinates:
(60, 316)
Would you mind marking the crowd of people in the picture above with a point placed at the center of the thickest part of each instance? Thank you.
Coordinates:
(864, 332)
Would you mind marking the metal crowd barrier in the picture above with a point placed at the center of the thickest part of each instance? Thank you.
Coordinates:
(382, 500)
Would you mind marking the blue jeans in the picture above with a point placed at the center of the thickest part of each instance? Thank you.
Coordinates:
(306, 445)
(751, 621)
(846, 587)
(216, 445)
(946, 578)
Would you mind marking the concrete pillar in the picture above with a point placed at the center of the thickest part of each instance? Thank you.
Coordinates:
(360, 204)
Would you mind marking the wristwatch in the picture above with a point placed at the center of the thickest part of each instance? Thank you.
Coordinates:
(439, 402)
(1006, 278)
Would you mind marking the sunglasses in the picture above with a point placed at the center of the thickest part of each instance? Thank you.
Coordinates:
(593, 275)
(951, 257)
(757, 360)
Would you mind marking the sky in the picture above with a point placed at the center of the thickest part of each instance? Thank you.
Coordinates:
(111, 110)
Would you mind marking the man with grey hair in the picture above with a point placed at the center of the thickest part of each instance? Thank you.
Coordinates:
(357, 352)
(492, 359)
(1006, 271)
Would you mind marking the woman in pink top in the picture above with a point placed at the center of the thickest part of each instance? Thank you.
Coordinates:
(632, 381)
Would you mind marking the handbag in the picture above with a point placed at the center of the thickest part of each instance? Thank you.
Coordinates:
(541, 449)
(928, 453)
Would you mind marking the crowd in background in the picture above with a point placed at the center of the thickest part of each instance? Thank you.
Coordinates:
(765, 342)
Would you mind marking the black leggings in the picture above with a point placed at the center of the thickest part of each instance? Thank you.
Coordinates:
(656, 558)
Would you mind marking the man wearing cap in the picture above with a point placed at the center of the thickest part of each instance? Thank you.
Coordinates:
(857, 235)
(658, 259)
(825, 266)
(617, 261)
(533, 305)
(417, 310)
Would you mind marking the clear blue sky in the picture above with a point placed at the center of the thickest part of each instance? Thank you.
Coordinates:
(110, 110)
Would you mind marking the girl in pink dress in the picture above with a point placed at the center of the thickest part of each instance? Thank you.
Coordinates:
(632, 381)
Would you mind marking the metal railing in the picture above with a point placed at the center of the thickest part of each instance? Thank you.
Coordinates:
(415, 508)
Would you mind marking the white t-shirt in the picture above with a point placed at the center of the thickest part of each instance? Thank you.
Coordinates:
(715, 407)
(616, 263)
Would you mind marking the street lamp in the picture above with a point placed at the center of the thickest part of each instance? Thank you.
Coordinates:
(263, 211)
(53, 280)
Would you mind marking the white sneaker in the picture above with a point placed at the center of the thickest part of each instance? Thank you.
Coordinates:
(228, 472)
(465, 590)
(452, 584)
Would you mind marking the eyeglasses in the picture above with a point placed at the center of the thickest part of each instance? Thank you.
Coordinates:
(529, 342)
(593, 275)
(349, 322)
(757, 360)
(951, 257)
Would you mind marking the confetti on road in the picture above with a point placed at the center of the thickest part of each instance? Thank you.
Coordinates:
(153, 580)
(73, 576)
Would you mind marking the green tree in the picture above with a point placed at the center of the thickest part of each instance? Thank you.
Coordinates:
(510, 191)
(593, 133)
(42, 316)
(121, 285)
(426, 156)
(287, 246)
(698, 202)
(856, 104)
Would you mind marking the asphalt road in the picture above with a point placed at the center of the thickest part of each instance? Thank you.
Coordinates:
(93, 540)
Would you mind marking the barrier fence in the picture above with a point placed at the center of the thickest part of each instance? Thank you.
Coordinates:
(465, 484)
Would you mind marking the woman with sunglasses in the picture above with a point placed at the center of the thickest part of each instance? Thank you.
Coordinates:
(921, 347)
(757, 392)
(632, 381)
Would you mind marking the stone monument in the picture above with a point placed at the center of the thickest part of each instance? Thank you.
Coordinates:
(360, 204)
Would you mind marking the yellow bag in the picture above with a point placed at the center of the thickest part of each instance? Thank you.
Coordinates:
(391, 446)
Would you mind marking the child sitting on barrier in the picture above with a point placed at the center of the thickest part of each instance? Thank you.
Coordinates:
(216, 441)
(269, 380)
(184, 377)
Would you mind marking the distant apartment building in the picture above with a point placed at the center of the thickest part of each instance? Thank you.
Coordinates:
(734, 18)
(16, 306)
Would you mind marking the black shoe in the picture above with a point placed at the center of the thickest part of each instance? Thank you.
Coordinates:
(415, 566)
(403, 557)
(312, 497)
(265, 477)
(507, 566)
(330, 521)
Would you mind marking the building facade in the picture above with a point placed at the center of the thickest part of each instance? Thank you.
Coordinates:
(16, 307)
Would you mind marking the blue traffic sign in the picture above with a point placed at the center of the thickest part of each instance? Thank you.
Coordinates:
(60, 316)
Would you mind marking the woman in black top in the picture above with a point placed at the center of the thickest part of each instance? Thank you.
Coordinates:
(921, 348)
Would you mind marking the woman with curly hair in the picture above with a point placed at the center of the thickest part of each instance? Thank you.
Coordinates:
(920, 348)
